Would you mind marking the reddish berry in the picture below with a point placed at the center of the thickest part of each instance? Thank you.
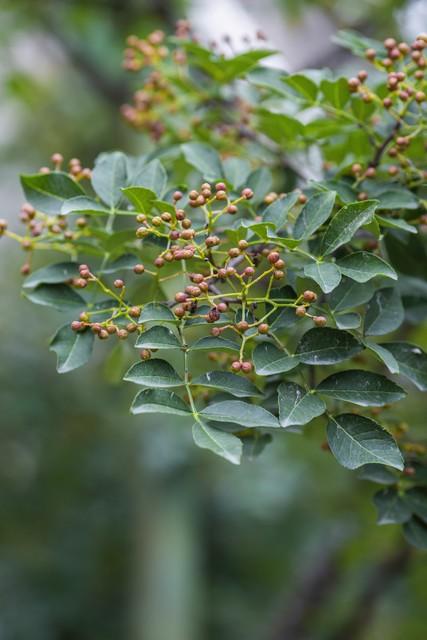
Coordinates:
(309, 296)
(247, 367)
(159, 262)
(25, 269)
(273, 257)
(247, 193)
(319, 321)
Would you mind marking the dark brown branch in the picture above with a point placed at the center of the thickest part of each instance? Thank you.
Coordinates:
(379, 152)
(312, 591)
(384, 574)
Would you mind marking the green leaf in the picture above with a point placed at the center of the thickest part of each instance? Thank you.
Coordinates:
(395, 223)
(254, 444)
(348, 320)
(326, 346)
(229, 383)
(152, 176)
(355, 440)
(302, 87)
(154, 373)
(363, 111)
(116, 363)
(159, 401)
(52, 274)
(385, 312)
(243, 413)
(220, 442)
(269, 360)
(417, 501)
(314, 213)
(73, 348)
(236, 171)
(212, 343)
(412, 362)
(394, 198)
(385, 356)
(392, 507)
(278, 210)
(126, 261)
(278, 126)
(260, 181)
(142, 199)
(346, 222)
(83, 206)
(326, 274)
(415, 533)
(298, 406)
(47, 191)
(157, 337)
(282, 318)
(204, 158)
(362, 266)
(350, 294)
(357, 43)
(335, 92)
(109, 176)
(361, 387)
(268, 78)
(156, 312)
(377, 473)
(223, 69)
(236, 66)
(58, 296)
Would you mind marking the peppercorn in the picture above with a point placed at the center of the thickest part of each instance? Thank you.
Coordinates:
(319, 321)
(309, 296)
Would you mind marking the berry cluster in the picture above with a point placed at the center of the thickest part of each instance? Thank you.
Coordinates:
(170, 89)
(44, 231)
(402, 99)
(233, 288)
(219, 252)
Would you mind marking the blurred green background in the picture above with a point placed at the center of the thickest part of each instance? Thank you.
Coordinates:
(117, 527)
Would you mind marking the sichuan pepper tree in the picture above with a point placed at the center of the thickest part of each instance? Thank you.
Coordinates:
(266, 255)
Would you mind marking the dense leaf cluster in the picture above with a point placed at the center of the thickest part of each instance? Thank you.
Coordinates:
(268, 253)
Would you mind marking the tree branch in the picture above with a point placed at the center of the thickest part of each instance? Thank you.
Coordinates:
(388, 570)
